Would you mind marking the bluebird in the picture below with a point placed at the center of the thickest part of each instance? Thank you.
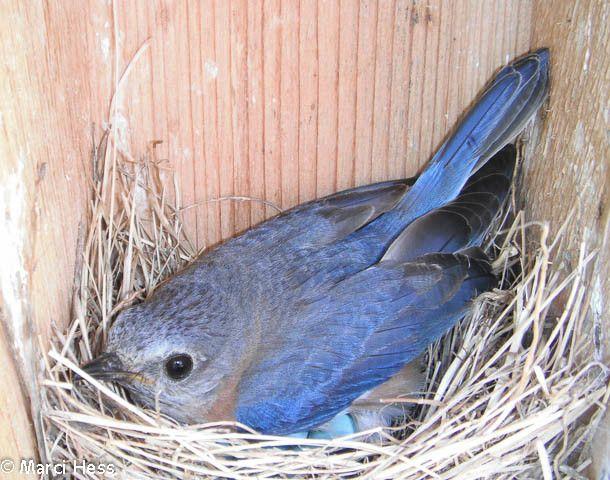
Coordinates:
(303, 322)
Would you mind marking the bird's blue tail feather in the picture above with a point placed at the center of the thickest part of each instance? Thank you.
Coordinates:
(506, 105)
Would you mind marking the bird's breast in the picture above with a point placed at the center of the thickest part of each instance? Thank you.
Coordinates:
(222, 409)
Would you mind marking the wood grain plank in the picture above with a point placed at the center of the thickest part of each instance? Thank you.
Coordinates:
(382, 92)
(308, 88)
(197, 146)
(443, 64)
(328, 61)
(159, 106)
(478, 76)
(239, 85)
(568, 177)
(44, 145)
(367, 34)
(224, 105)
(133, 102)
(419, 36)
(467, 76)
(16, 430)
(271, 98)
(400, 91)
(255, 109)
(289, 103)
(346, 95)
(429, 114)
(209, 74)
(455, 91)
(180, 105)
(523, 41)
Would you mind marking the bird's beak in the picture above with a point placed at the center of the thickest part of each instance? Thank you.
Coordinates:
(107, 366)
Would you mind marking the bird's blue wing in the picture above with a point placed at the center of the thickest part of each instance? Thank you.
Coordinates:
(324, 221)
(364, 331)
(464, 222)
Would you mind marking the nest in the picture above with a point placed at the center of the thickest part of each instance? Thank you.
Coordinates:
(511, 391)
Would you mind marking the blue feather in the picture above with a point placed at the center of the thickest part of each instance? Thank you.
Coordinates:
(368, 327)
(491, 123)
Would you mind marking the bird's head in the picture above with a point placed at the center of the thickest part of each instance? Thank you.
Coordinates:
(170, 355)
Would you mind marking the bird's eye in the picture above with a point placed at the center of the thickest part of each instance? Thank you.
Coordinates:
(178, 366)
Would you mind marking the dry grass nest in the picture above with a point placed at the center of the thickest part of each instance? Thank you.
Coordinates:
(512, 391)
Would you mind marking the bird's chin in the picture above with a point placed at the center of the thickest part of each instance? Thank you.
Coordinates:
(158, 403)
(141, 396)
(146, 395)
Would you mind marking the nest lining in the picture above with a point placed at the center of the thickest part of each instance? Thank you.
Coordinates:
(511, 391)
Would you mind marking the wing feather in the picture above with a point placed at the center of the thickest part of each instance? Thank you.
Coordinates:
(364, 331)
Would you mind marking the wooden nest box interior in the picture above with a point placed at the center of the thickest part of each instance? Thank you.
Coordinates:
(281, 101)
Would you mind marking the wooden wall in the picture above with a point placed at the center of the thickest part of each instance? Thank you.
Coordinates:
(292, 100)
(278, 100)
(568, 176)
